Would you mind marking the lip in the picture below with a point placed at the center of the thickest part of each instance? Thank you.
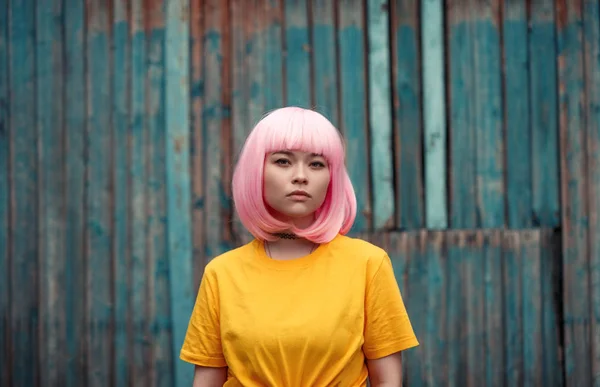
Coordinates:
(299, 193)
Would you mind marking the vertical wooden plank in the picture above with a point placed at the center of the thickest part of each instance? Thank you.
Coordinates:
(197, 130)
(380, 114)
(435, 338)
(532, 308)
(462, 138)
(551, 308)
(324, 59)
(408, 142)
(475, 285)
(178, 178)
(456, 349)
(517, 125)
(121, 204)
(137, 180)
(214, 115)
(417, 282)
(23, 197)
(75, 193)
(353, 110)
(488, 114)
(576, 296)
(297, 57)
(49, 93)
(513, 309)
(98, 217)
(494, 323)
(266, 60)
(161, 374)
(544, 115)
(591, 46)
(5, 235)
(434, 113)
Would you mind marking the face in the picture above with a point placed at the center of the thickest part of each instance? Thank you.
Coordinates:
(295, 184)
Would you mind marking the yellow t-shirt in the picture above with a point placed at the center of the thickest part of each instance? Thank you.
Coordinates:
(309, 321)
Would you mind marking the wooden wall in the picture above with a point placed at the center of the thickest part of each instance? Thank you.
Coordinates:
(120, 123)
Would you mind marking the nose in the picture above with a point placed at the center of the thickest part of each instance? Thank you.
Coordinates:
(299, 175)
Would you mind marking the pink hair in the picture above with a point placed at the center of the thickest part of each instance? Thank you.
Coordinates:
(293, 128)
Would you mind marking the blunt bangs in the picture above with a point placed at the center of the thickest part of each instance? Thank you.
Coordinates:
(293, 128)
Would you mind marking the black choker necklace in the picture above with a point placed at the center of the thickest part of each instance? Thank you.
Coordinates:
(285, 235)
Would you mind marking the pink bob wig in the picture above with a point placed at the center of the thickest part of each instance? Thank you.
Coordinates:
(293, 128)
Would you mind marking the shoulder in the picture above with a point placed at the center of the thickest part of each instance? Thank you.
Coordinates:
(359, 249)
(230, 259)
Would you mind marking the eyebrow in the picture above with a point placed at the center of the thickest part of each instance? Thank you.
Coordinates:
(290, 153)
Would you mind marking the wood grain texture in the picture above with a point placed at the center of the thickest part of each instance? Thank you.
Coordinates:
(591, 51)
(434, 113)
(324, 60)
(519, 199)
(408, 143)
(137, 171)
(494, 298)
(120, 122)
(353, 94)
(297, 54)
(457, 307)
(513, 308)
(98, 200)
(177, 113)
(269, 55)
(487, 124)
(475, 310)
(197, 73)
(380, 114)
(49, 92)
(576, 296)
(463, 184)
(544, 115)
(76, 355)
(5, 235)
(158, 277)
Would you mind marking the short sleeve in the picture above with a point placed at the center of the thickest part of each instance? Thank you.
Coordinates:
(387, 326)
(202, 344)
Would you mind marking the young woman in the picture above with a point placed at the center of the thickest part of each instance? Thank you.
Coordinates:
(302, 304)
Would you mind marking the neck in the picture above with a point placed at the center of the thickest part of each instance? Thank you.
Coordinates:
(289, 248)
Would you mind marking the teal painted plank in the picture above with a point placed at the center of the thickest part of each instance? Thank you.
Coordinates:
(75, 192)
(178, 179)
(25, 343)
(380, 114)
(268, 42)
(532, 308)
(416, 299)
(518, 132)
(434, 113)
(494, 323)
(551, 300)
(138, 361)
(513, 309)
(160, 317)
(544, 115)
(99, 278)
(591, 44)
(120, 235)
(576, 296)
(434, 339)
(49, 73)
(353, 97)
(197, 137)
(297, 58)
(456, 306)
(408, 142)
(488, 115)
(475, 309)
(5, 235)
(462, 135)
(324, 60)
(214, 115)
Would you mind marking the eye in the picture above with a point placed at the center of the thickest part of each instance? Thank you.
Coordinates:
(282, 161)
(317, 164)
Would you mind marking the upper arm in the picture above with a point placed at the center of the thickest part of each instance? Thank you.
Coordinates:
(386, 371)
(209, 376)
